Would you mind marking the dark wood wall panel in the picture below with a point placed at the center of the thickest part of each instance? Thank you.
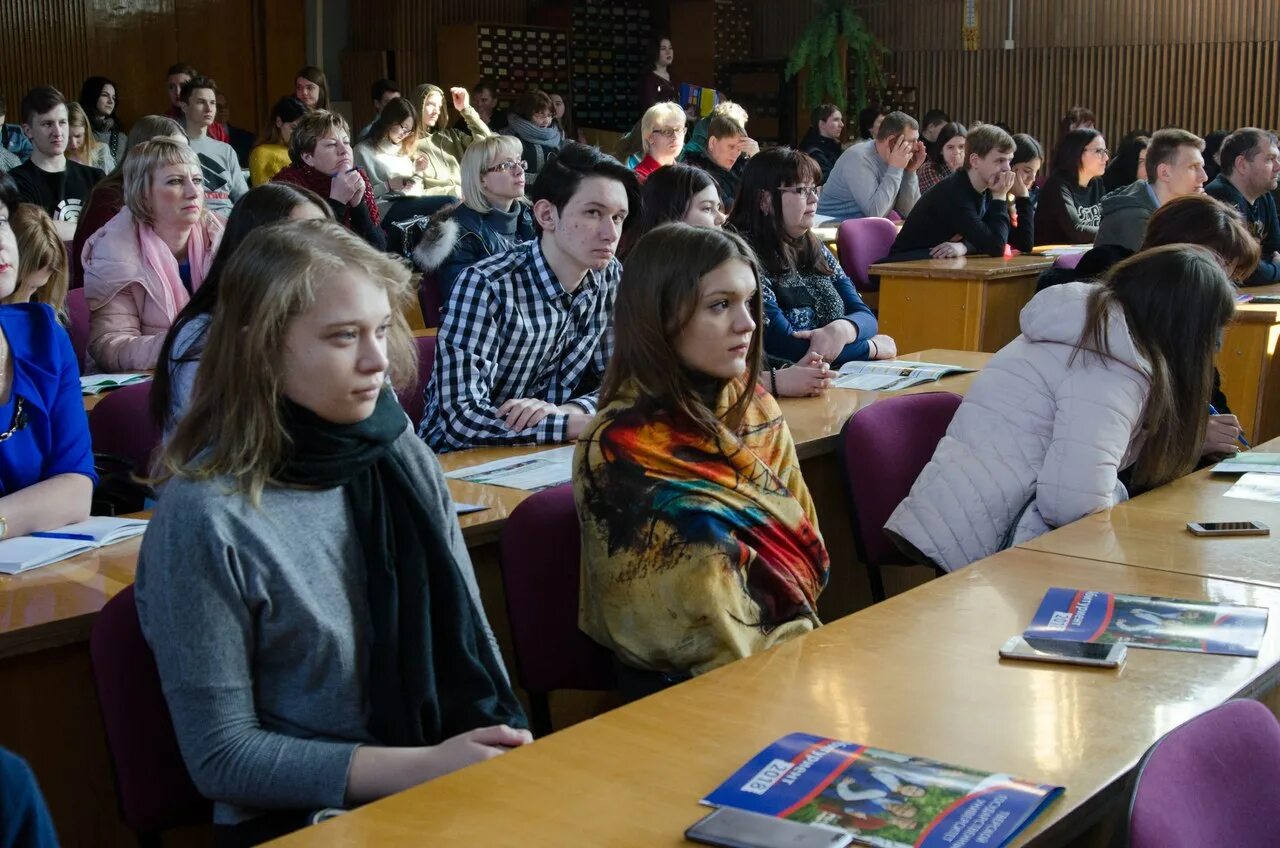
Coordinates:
(244, 44)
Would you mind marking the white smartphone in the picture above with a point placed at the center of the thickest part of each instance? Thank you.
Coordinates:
(1228, 528)
(730, 828)
(1060, 651)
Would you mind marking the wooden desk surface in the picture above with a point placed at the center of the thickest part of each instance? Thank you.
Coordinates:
(1150, 531)
(483, 527)
(815, 423)
(965, 267)
(918, 673)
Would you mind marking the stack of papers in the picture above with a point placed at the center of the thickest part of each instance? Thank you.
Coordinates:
(95, 383)
(531, 472)
(23, 553)
(1249, 461)
(892, 374)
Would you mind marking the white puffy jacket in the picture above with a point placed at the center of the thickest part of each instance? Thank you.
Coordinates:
(1037, 430)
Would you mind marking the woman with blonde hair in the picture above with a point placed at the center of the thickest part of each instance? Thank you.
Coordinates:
(492, 217)
(662, 133)
(442, 145)
(42, 260)
(296, 485)
(143, 266)
(700, 542)
(82, 145)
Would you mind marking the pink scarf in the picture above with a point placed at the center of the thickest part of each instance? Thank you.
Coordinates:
(162, 263)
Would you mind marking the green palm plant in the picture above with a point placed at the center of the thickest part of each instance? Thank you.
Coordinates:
(837, 32)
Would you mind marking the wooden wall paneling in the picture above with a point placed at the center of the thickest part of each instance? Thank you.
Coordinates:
(39, 54)
(216, 37)
(133, 44)
(360, 69)
(690, 23)
(282, 50)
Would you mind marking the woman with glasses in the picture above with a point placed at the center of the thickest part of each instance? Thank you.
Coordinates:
(397, 170)
(662, 133)
(46, 460)
(1070, 205)
(493, 216)
(810, 305)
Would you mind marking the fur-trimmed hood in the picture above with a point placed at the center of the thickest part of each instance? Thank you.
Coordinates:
(438, 239)
(452, 225)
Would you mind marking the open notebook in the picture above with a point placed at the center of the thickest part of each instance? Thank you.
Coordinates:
(23, 553)
(891, 374)
(92, 384)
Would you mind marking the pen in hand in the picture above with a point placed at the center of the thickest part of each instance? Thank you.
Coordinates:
(1239, 436)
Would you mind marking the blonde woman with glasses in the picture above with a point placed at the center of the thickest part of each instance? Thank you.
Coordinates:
(662, 133)
(493, 216)
(323, 643)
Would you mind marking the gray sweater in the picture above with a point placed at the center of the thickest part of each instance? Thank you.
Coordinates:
(260, 628)
(224, 181)
(862, 185)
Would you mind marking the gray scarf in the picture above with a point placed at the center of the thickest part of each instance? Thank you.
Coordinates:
(528, 131)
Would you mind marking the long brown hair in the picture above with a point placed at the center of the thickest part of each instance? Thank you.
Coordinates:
(657, 297)
(1176, 300)
(763, 229)
(1199, 219)
(233, 426)
(40, 248)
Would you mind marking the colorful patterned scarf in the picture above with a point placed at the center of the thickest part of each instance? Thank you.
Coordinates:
(695, 551)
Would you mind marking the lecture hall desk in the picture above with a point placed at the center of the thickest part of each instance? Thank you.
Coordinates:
(918, 673)
(1150, 532)
(1247, 363)
(969, 303)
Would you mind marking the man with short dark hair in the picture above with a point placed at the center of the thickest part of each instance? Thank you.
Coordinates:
(822, 141)
(382, 92)
(49, 179)
(930, 125)
(726, 141)
(1250, 162)
(1175, 167)
(968, 212)
(525, 338)
(224, 181)
(178, 76)
(877, 176)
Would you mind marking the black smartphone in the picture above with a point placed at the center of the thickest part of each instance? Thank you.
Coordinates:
(1228, 528)
(730, 828)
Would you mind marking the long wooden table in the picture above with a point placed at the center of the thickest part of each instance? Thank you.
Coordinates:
(1247, 364)
(1150, 531)
(918, 673)
(970, 303)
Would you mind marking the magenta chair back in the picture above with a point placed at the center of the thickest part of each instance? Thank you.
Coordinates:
(1068, 261)
(78, 312)
(861, 243)
(121, 425)
(431, 299)
(884, 448)
(541, 549)
(153, 785)
(1212, 781)
(413, 399)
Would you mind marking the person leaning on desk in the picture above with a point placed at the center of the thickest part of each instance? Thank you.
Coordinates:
(46, 458)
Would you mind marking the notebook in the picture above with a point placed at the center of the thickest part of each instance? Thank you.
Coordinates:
(23, 553)
(92, 384)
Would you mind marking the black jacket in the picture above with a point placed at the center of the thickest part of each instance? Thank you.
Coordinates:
(825, 151)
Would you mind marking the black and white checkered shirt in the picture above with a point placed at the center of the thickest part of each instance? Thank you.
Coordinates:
(511, 331)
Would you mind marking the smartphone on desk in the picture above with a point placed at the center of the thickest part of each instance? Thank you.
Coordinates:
(1228, 528)
(730, 828)
(1058, 651)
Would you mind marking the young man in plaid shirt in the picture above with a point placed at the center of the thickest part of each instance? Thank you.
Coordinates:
(526, 335)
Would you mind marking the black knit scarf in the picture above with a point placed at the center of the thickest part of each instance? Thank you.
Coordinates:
(433, 671)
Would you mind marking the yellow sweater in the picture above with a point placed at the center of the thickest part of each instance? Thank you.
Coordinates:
(265, 161)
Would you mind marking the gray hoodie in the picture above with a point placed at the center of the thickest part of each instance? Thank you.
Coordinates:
(1125, 213)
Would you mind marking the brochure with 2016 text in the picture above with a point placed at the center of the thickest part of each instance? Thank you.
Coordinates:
(884, 799)
(1076, 615)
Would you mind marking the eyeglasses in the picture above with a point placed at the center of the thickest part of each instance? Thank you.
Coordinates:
(669, 132)
(508, 166)
(813, 191)
(1099, 151)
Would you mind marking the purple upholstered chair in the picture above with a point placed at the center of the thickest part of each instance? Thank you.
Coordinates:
(541, 549)
(121, 425)
(78, 311)
(412, 399)
(154, 788)
(431, 299)
(884, 448)
(861, 243)
(1212, 781)
(1068, 261)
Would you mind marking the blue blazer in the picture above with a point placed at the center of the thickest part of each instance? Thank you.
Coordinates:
(55, 438)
